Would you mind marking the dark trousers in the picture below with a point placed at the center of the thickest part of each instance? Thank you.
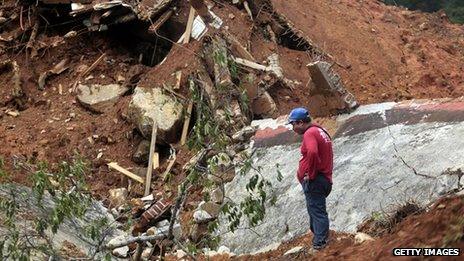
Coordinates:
(316, 192)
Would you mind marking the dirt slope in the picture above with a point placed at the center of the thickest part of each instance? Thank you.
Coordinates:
(389, 53)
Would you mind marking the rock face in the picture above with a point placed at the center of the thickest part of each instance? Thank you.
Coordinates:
(369, 173)
(151, 105)
(98, 98)
(72, 231)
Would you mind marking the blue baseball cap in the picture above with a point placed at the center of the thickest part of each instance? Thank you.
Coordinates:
(298, 114)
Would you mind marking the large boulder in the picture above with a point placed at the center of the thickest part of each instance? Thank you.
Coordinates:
(385, 155)
(99, 98)
(150, 105)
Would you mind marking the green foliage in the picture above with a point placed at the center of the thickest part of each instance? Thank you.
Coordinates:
(66, 188)
(453, 8)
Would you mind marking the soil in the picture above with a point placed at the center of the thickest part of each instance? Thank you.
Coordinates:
(441, 226)
(383, 53)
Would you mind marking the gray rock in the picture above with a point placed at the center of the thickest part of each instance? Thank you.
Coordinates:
(201, 216)
(369, 148)
(150, 105)
(217, 195)
(244, 134)
(99, 98)
(176, 231)
(142, 152)
(120, 251)
(211, 208)
(118, 196)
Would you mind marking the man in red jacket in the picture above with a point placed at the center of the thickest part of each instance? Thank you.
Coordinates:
(314, 172)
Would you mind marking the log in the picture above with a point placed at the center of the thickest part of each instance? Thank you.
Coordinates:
(183, 138)
(188, 30)
(150, 159)
(156, 26)
(238, 48)
(178, 80)
(114, 165)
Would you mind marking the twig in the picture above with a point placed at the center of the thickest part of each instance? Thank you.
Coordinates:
(88, 70)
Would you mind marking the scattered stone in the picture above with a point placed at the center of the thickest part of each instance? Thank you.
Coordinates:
(121, 251)
(142, 152)
(326, 81)
(264, 105)
(201, 216)
(99, 98)
(70, 34)
(231, 16)
(162, 223)
(146, 253)
(181, 254)
(362, 237)
(244, 134)
(150, 105)
(12, 113)
(217, 195)
(118, 196)
(293, 250)
(211, 208)
(223, 250)
(176, 231)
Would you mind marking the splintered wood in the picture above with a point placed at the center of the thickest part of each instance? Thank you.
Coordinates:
(186, 123)
(150, 159)
(114, 165)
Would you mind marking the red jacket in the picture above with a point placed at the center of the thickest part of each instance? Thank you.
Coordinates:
(316, 154)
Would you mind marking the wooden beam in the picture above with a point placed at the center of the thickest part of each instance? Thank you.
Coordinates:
(183, 138)
(156, 163)
(178, 80)
(188, 30)
(164, 17)
(114, 165)
(154, 131)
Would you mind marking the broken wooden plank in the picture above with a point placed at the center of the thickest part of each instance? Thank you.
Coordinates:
(154, 131)
(188, 30)
(247, 8)
(114, 165)
(164, 17)
(252, 65)
(94, 64)
(169, 167)
(178, 80)
(156, 160)
(238, 48)
(183, 138)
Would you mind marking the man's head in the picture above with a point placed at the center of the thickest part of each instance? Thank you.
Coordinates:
(300, 120)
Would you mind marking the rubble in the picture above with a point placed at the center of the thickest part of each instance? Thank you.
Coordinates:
(118, 196)
(211, 208)
(360, 237)
(99, 98)
(141, 153)
(120, 251)
(152, 105)
(326, 80)
(201, 216)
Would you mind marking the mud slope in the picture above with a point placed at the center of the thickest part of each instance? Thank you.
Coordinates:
(389, 53)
